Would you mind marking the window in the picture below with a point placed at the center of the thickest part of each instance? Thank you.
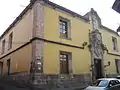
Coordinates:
(1, 68)
(101, 83)
(117, 62)
(65, 62)
(8, 66)
(3, 46)
(10, 41)
(114, 41)
(113, 82)
(64, 28)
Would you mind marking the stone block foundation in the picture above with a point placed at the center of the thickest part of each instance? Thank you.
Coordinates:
(48, 82)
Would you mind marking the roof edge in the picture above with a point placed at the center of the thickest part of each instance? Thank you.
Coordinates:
(17, 19)
(29, 6)
(110, 30)
(65, 9)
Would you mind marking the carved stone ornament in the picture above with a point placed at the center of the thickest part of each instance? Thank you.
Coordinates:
(95, 19)
(96, 44)
(95, 22)
(36, 66)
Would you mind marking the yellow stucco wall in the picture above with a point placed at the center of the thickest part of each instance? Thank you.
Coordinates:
(79, 28)
(112, 68)
(22, 32)
(107, 40)
(20, 60)
(81, 58)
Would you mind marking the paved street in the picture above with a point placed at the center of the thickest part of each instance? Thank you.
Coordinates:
(11, 87)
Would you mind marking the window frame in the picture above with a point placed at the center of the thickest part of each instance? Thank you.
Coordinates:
(66, 27)
(117, 66)
(10, 41)
(8, 66)
(1, 63)
(114, 43)
(113, 83)
(68, 67)
(3, 46)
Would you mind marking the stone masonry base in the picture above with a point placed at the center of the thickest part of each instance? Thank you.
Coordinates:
(48, 82)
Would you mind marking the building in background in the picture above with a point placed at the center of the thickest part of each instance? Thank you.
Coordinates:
(58, 47)
(116, 6)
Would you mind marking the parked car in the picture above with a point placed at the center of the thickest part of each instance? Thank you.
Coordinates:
(105, 84)
(118, 77)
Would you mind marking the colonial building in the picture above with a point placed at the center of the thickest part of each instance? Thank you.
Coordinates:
(54, 44)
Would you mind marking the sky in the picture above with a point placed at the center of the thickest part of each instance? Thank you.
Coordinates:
(10, 9)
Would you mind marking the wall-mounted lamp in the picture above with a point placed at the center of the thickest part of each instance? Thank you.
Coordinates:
(107, 64)
(91, 67)
(84, 44)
